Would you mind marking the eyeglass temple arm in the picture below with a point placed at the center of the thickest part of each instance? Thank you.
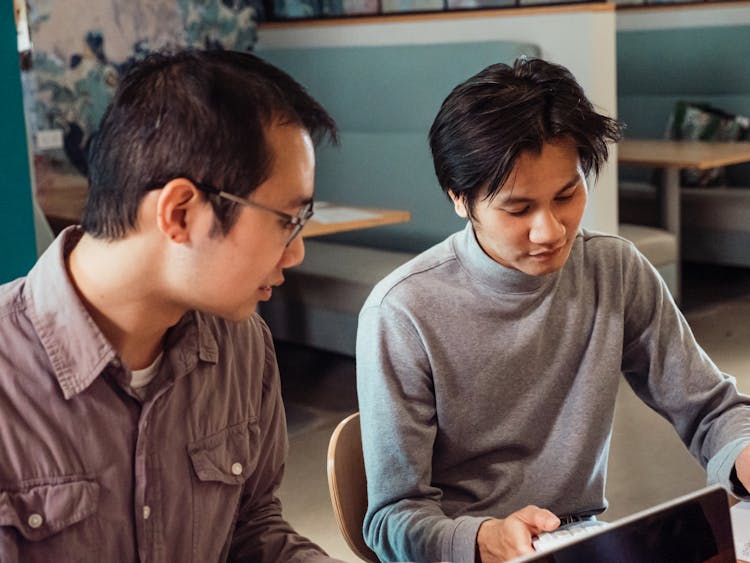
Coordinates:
(211, 190)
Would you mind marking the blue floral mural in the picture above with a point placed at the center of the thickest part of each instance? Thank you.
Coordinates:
(81, 49)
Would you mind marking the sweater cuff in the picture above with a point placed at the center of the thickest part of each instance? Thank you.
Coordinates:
(464, 541)
(721, 470)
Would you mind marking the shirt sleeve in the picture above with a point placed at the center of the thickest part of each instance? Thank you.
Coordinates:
(671, 373)
(404, 520)
(261, 534)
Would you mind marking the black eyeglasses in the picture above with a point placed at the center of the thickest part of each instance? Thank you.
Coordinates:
(295, 223)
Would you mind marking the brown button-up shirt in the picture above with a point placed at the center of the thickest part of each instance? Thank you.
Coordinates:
(91, 470)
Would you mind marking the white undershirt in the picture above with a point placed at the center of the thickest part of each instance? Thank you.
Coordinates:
(142, 377)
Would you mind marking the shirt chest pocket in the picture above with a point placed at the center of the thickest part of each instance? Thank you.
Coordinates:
(222, 462)
(228, 456)
(39, 523)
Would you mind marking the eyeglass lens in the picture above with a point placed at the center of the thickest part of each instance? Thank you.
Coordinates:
(302, 218)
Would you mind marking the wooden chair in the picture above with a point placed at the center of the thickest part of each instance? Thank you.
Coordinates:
(347, 484)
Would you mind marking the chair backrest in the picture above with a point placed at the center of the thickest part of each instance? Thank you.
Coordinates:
(347, 484)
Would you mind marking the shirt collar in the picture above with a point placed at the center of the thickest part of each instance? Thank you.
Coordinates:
(190, 340)
(77, 349)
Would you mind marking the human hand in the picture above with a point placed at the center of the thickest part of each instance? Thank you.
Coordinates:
(502, 539)
(742, 465)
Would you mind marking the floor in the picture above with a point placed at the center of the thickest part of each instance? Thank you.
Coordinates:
(648, 463)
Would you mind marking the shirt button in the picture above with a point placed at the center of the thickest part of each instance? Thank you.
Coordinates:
(146, 512)
(236, 469)
(35, 520)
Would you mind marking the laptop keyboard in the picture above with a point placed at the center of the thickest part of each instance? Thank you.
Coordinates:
(548, 540)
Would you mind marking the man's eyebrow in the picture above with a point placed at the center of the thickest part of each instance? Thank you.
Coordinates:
(566, 187)
(298, 202)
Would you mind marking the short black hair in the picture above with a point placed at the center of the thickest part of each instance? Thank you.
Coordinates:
(201, 115)
(486, 122)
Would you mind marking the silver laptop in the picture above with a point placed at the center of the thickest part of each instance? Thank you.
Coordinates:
(695, 528)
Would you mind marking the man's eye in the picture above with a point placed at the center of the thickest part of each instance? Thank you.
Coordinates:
(567, 195)
(516, 212)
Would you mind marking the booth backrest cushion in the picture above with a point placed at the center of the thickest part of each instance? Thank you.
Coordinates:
(384, 99)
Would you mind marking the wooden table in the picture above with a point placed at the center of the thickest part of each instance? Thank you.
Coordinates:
(63, 202)
(671, 157)
(62, 198)
(330, 218)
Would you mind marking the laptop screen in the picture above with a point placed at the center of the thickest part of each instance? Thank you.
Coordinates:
(695, 528)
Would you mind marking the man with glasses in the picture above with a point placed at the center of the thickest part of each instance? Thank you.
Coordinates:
(140, 406)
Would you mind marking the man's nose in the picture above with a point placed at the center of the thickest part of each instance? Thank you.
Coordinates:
(294, 253)
(546, 228)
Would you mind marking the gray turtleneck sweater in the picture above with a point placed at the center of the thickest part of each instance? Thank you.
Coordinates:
(483, 389)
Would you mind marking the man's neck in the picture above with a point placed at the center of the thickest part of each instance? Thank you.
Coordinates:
(120, 285)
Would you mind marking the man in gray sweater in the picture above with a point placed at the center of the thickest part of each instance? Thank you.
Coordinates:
(488, 366)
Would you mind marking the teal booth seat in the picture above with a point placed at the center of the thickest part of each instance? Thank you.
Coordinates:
(384, 99)
(17, 240)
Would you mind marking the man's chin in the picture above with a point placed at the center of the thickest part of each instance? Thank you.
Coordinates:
(239, 314)
(537, 271)
(538, 267)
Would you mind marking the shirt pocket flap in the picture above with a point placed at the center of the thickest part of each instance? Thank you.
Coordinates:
(43, 510)
(229, 456)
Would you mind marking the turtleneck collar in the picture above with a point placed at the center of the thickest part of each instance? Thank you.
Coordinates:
(495, 276)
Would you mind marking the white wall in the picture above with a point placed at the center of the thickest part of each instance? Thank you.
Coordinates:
(581, 38)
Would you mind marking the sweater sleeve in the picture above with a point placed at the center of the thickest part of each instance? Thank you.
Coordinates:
(404, 521)
(671, 373)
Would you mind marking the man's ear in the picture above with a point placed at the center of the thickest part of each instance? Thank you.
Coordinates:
(459, 204)
(177, 202)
